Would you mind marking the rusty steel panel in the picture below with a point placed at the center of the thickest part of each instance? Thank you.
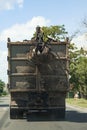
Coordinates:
(19, 50)
(53, 66)
(60, 49)
(23, 82)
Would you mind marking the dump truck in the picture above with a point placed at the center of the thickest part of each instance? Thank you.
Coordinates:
(38, 76)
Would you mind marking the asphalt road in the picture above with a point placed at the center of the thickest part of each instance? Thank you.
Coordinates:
(75, 120)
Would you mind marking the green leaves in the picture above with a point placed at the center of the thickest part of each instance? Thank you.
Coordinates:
(56, 32)
(2, 85)
(78, 70)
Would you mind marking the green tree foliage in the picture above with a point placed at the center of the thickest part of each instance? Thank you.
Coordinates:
(2, 85)
(78, 70)
(81, 73)
(55, 32)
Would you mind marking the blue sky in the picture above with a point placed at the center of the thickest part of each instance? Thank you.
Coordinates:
(18, 19)
(67, 12)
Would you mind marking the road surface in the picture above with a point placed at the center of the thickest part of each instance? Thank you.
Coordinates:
(75, 120)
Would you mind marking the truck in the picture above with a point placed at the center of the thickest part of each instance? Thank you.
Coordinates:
(38, 81)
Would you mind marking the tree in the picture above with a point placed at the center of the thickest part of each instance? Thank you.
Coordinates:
(85, 22)
(78, 70)
(73, 53)
(2, 85)
(55, 32)
(81, 73)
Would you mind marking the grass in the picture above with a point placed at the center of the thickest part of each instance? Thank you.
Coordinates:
(1, 101)
(77, 102)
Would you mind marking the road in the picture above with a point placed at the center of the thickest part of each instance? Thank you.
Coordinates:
(75, 120)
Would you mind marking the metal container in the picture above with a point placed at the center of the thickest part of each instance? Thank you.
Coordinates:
(37, 82)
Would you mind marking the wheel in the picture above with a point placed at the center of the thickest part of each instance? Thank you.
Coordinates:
(57, 114)
(13, 113)
(16, 114)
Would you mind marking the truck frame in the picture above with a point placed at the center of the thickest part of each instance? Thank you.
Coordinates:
(37, 83)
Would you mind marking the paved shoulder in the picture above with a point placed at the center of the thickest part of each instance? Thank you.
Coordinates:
(80, 109)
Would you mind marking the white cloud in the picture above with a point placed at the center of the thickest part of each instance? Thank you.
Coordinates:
(17, 32)
(3, 66)
(10, 4)
(23, 31)
(81, 41)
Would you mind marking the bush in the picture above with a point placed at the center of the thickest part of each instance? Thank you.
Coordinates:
(4, 93)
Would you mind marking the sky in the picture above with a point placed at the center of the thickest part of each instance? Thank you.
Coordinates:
(19, 18)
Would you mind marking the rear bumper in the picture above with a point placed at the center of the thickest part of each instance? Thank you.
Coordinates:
(41, 109)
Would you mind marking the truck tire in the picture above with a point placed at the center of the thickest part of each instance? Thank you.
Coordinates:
(13, 113)
(16, 114)
(58, 113)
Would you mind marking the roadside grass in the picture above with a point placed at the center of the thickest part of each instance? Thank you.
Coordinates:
(1, 101)
(77, 102)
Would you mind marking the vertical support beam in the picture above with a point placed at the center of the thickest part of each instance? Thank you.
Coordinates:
(8, 58)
